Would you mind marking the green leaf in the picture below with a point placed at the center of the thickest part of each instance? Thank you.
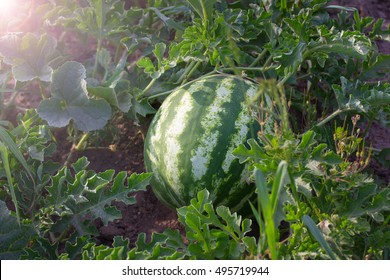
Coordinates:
(357, 96)
(331, 158)
(159, 50)
(349, 43)
(213, 234)
(166, 246)
(104, 58)
(377, 68)
(297, 27)
(380, 31)
(41, 249)
(103, 252)
(255, 152)
(281, 179)
(70, 101)
(71, 199)
(204, 8)
(307, 139)
(170, 23)
(121, 100)
(140, 107)
(267, 212)
(348, 95)
(101, 9)
(378, 98)
(318, 236)
(6, 138)
(14, 238)
(369, 201)
(74, 250)
(148, 66)
(29, 55)
(293, 58)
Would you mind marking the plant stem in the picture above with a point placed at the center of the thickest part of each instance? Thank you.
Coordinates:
(284, 110)
(268, 61)
(185, 73)
(258, 58)
(61, 236)
(191, 72)
(260, 69)
(331, 116)
(285, 79)
(169, 91)
(83, 139)
(117, 53)
(77, 148)
(42, 89)
(148, 87)
(150, 14)
(160, 94)
(95, 66)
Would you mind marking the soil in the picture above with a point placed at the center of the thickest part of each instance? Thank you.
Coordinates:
(148, 215)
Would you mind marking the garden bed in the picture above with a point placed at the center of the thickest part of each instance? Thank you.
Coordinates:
(124, 151)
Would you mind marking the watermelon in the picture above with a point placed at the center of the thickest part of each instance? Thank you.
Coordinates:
(191, 138)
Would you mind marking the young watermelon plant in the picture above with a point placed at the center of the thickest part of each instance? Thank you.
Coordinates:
(256, 99)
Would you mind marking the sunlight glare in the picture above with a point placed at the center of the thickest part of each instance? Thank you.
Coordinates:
(6, 5)
(12, 12)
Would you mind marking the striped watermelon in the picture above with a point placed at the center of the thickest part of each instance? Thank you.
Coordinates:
(190, 142)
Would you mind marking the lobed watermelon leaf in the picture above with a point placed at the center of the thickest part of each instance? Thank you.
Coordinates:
(71, 199)
(254, 152)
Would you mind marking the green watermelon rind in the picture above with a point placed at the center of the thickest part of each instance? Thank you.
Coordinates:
(191, 138)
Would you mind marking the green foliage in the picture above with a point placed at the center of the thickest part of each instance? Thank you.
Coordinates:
(75, 198)
(210, 233)
(318, 235)
(58, 204)
(29, 55)
(70, 101)
(314, 198)
(269, 212)
(323, 186)
(13, 236)
(203, 8)
(72, 199)
(214, 234)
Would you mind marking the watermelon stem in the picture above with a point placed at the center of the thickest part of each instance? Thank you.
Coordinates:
(172, 90)
(258, 58)
(151, 83)
(191, 72)
(42, 89)
(182, 78)
(260, 69)
(77, 147)
(331, 116)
